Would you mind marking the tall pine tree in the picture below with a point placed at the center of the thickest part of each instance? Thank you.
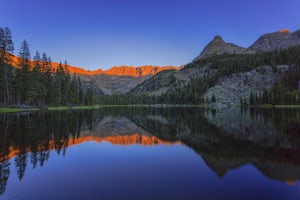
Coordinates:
(36, 90)
(23, 75)
(6, 48)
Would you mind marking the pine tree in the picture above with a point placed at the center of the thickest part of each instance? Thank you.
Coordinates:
(6, 48)
(65, 84)
(44, 63)
(23, 77)
(80, 94)
(37, 60)
(89, 95)
(47, 81)
(20, 164)
(72, 90)
(4, 175)
(36, 91)
(58, 84)
(213, 99)
(2, 67)
(251, 98)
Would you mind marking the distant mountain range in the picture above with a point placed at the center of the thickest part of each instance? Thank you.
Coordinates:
(114, 71)
(117, 80)
(149, 80)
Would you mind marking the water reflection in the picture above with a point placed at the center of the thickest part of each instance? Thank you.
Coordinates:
(227, 139)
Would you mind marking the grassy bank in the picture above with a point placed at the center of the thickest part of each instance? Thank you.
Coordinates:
(11, 110)
(63, 108)
(279, 106)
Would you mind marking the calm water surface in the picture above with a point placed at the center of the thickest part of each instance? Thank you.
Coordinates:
(135, 153)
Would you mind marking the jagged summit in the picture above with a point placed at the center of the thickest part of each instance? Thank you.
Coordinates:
(218, 46)
(276, 40)
(218, 39)
(114, 71)
(137, 71)
(268, 42)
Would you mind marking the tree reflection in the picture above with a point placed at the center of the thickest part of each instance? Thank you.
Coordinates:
(20, 164)
(4, 174)
(227, 139)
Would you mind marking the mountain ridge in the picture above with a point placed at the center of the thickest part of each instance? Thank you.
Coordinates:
(276, 40)
(265, 43)
(123, 70)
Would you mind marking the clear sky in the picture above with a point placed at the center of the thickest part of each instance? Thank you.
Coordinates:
(102, 33)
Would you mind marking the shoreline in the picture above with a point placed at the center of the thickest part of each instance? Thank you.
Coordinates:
(95, 107)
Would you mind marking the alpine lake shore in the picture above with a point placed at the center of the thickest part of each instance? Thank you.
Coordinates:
(15, 109)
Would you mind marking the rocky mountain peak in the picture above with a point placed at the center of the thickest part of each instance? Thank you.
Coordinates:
(284, 31)
(276, 40)
(218, 46)
(218, 39)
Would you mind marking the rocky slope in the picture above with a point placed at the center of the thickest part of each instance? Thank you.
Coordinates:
(230, 89)
(156, 85)
(121, 80)
(162, 82)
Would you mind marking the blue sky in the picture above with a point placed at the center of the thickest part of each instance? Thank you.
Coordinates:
(102, 33)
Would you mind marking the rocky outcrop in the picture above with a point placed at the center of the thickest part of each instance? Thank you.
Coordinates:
(276, 40)
(230, 89)
(218, 47)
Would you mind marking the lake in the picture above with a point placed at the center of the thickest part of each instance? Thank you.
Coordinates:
(150, 153)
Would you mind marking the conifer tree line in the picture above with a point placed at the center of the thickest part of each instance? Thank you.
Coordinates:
(36, 83)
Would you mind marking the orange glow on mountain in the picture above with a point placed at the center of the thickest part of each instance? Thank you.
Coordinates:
(137, 139)
(139, 71)
(114, 140)
(114, 71)
(284, 31)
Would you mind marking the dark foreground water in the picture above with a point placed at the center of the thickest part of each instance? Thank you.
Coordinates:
(182, 153)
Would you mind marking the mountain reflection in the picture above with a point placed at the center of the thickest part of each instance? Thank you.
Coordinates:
(227, 139)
